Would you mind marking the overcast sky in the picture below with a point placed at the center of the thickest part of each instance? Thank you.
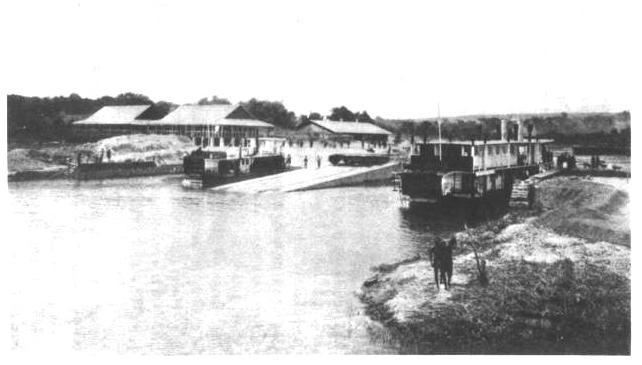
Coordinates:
(395, 59)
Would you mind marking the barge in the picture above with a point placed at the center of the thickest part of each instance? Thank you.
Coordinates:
(358, 159)
(470, 171)
(212, 168)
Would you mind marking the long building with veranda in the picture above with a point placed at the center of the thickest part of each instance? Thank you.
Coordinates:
(211, 127)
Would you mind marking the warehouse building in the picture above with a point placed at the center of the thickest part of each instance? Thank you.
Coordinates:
(327, 130)
(214, 127)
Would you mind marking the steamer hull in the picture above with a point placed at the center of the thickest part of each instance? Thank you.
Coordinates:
(204, 169)
(469, 173)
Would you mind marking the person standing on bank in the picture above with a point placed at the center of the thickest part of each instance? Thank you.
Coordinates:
(305, 162)
(318, 162)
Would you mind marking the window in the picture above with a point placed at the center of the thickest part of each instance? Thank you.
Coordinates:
(217, 142)
(512, 149)
(197, 141)
(504, 149)
(499, 182)
(237, 141)
(480, 182)
(227, 141)
(490, 150)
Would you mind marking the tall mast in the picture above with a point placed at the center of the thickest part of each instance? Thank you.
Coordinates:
(439, 126)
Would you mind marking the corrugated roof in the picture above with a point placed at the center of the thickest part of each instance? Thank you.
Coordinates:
(350, 127)
(115, 114)
(210, 115)
(183, 115)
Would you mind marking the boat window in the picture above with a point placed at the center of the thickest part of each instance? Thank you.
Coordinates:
(479, 185)
(490, 150)
(499, 182)
(490, 183)
(504, 149)
(512, 149)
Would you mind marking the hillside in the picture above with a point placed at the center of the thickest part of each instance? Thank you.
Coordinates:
(566, 127)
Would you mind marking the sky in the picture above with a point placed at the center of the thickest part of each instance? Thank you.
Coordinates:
(395, 59)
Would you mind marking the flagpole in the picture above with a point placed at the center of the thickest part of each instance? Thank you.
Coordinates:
(439, 125)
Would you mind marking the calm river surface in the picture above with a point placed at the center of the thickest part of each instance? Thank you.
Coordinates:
(144, 266)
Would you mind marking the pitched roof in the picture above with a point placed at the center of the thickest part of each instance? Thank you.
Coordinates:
(212, 115)
(115, 114)
(350, 127)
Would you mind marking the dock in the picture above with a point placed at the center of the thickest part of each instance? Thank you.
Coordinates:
(519, 194)
(308, 179)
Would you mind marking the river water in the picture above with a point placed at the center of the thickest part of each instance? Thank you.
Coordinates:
(144, 266)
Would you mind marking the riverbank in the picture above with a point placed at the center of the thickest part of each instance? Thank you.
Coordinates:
(559, 281)
(51, 161)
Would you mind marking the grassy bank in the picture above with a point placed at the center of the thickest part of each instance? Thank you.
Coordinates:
(550, 291)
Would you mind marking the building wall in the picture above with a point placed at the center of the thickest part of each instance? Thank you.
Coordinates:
(317, 132)
(498, 156)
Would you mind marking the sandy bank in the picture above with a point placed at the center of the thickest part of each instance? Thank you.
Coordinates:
(50, 161)
(549, 292)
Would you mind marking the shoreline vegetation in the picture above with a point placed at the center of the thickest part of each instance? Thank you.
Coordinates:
(559, 281)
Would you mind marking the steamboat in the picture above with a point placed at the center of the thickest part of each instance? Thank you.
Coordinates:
(212, 168)
(471, 171)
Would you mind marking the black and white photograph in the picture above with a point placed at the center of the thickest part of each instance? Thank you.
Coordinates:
(198, 178)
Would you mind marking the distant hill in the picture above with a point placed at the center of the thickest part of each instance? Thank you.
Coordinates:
(582, 128)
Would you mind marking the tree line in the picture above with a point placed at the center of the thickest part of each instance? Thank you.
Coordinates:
(596, 129)
(49, 119)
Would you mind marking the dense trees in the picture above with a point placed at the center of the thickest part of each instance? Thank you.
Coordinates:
(214, 100)
(346, 115)
(580, 128)
(272, 112)
(46, 119)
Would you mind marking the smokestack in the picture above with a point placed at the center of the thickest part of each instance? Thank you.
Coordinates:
(504, 130)
(520, 130)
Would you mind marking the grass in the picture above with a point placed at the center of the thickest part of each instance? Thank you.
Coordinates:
(532, 308)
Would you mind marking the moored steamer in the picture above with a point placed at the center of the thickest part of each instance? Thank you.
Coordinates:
(213, 168)
(470, 171)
